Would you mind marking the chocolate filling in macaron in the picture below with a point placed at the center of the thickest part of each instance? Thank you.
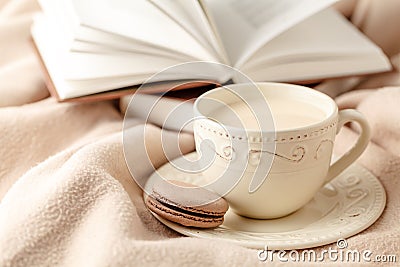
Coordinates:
(186, 204)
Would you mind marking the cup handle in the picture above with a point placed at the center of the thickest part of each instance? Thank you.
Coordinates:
(350, 156)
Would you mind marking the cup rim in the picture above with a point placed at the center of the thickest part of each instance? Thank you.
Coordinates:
(320, 124)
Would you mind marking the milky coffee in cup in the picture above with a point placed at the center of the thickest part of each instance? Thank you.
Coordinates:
(271, 145)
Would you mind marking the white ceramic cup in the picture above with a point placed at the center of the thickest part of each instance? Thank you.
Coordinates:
(292, 152)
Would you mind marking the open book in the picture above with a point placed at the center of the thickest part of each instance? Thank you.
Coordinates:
(93, 47)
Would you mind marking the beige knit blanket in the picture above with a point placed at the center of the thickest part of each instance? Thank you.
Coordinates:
(68, 199)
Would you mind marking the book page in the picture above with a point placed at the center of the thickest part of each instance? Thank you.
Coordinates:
(89, 72)
(80, 38)
(190, 16)
(63, 15)
(109, 48)
(326, 45)
(246, 25)
(119, 43)
(76, 74)
(141, 21)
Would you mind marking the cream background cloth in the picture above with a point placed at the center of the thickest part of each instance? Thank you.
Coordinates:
(68, 199)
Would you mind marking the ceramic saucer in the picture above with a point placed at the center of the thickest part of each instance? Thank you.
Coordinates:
(346, 206)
